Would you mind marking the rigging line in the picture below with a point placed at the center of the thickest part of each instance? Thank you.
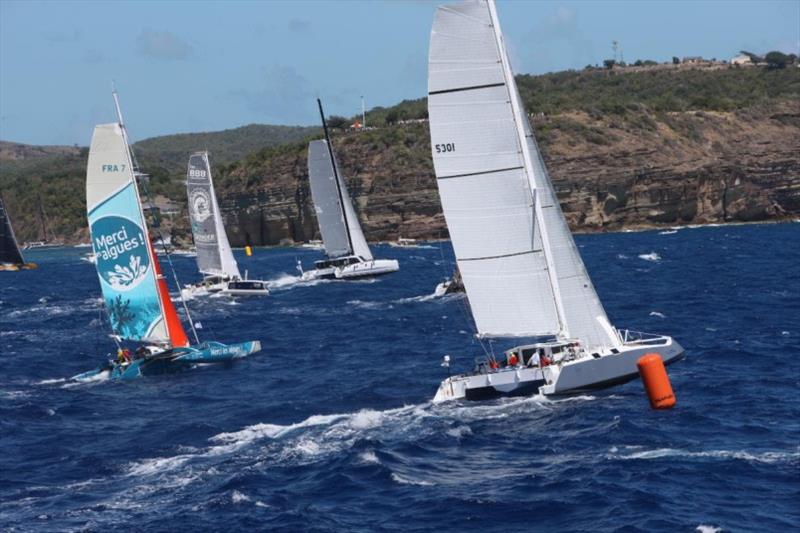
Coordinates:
(166, 247)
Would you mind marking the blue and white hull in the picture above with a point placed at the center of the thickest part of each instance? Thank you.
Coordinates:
(174, 360)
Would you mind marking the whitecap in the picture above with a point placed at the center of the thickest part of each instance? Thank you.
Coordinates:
(652, 256)
(408, 481)
(702, 528)
(622, 256)
(239, 497)
(669, 232)
(656, 313)
(368, 457)
(459, 431)
(157, 465)
(762, 457)
(369, 305)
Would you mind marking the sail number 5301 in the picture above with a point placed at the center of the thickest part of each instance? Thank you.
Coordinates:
(447, 147)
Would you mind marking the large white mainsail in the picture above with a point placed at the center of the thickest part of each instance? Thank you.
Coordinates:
(338, 223)
(520, 266)
(214, 254)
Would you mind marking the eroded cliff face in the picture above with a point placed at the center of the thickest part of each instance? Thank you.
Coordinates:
(610, 173)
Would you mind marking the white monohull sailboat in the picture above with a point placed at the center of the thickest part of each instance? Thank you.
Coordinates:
(347, 254)
(214, 255)
(521, 269)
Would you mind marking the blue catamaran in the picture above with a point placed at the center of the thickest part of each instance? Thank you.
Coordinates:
(135, 292)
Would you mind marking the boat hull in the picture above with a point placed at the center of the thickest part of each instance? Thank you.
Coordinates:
(229, 287)
(363, 269)
(376, 267)
(573, 377)
(172, 361)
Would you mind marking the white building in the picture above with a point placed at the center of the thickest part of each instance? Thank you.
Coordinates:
(741, 59)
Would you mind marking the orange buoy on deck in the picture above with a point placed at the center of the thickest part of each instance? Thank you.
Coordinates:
(656, 381)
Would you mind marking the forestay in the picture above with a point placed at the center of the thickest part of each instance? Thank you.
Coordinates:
(518, 261)
(214, 255)
(9, 249)
(341, 231)
(125, 259)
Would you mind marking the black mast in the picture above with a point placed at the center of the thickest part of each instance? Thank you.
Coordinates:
(336, 176)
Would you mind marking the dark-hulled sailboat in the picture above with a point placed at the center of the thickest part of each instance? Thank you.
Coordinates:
(10, 256)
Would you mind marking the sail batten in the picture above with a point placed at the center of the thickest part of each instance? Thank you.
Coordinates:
(519, 263)
(214, 254)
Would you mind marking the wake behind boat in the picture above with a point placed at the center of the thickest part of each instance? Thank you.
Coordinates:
(348, 255)
(135, 292)
(214, 255)
(521, 269)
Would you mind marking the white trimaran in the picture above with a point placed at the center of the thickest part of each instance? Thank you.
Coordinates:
(214, 255)
(522, 271)
(348, 255)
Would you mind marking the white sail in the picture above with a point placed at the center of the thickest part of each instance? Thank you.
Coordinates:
(519, 264)
(338, 223)
(214, 254)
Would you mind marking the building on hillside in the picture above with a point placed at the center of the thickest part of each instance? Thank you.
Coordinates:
(741, 59)
(692, 60)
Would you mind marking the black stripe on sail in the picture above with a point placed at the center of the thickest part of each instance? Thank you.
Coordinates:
(472, 88)
(498, 256)
(479, 173)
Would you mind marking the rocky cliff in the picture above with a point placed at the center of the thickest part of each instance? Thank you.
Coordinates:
(611, 172)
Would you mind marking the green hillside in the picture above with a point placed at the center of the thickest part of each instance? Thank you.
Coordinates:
(595, 106)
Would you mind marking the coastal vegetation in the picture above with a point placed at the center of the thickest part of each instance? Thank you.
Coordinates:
(593, 109)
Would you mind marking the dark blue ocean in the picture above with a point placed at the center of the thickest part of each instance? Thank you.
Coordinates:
(330, 428)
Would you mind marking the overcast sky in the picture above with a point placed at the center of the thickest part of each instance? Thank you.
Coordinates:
(201, 66)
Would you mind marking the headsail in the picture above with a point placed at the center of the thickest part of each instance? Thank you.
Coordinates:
(9, 249)
(125, 259)
(214, 255)
(521, 270)
(335, 220)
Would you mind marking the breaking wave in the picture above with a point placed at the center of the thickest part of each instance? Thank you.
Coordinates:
(742, 455)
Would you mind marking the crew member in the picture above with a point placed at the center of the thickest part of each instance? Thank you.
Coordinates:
(513, 360)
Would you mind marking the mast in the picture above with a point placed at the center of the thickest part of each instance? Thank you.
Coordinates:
(363, 115)
(43, 221)
(336, 177)
(526, 155)
(134, 164)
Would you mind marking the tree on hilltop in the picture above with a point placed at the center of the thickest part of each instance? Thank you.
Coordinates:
(776, 59)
